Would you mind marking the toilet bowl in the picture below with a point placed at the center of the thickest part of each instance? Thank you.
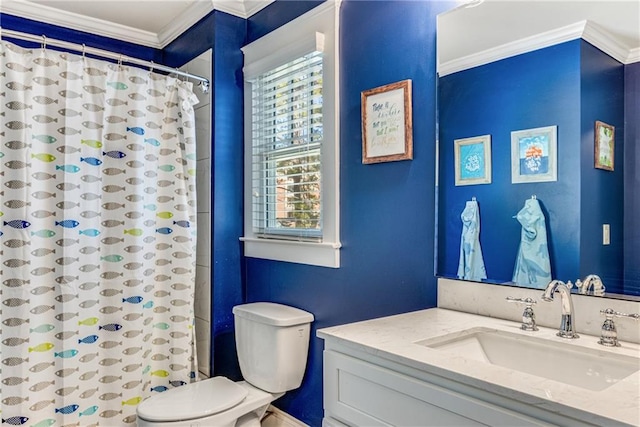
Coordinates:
(272, 342)
(214, 402)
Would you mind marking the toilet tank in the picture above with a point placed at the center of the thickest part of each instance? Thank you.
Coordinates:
(272, 342)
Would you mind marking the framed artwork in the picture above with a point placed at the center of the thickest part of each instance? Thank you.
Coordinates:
(387, 129)
(534, 155)
(473, 160)
(604, 146)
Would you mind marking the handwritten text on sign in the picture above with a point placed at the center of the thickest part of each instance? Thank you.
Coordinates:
(385, 123)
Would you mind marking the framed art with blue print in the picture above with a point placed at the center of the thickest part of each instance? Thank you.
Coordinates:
(534, 155)
(473, 160)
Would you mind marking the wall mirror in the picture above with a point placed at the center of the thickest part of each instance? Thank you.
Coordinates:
(510, 67)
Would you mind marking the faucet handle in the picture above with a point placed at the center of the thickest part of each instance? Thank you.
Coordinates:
(527, 300)
(528, 316)
(609, 333)
(609, 312)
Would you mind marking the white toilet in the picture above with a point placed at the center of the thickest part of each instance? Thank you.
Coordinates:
(272, 342)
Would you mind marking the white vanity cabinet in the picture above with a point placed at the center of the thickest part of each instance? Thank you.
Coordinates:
(362, 393)
(375, 392)
(376, 373)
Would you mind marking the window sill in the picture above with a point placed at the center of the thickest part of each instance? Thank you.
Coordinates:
(319, 254)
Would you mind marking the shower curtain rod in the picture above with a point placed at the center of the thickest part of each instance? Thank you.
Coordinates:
(81, 48)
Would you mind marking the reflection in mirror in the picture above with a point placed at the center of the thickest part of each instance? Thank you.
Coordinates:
(506, 67)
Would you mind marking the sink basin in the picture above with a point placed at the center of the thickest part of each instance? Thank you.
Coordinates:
(578, 366)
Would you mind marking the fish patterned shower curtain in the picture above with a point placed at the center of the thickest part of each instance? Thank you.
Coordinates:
(98, 238)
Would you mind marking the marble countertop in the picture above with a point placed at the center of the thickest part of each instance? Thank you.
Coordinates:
(394, 338)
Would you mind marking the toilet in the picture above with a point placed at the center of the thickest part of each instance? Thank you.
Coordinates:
(272, 342)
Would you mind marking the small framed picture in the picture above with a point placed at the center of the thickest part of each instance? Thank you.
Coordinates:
(473, 160)
(387, 129)
(534, 155)
(604, 146)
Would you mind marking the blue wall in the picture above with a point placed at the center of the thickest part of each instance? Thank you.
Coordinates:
(276, 15)
(387, 209)
(225, 34)
(631, 237)
(540, 88)
(602, 199)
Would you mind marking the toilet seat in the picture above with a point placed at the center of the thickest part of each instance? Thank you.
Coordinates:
(192, 401)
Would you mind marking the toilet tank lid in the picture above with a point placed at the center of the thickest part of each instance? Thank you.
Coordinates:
(273, 314)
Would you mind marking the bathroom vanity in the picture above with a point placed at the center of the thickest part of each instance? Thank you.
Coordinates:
(441, 367)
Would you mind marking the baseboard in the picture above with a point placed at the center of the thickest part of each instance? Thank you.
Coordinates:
(275, 417)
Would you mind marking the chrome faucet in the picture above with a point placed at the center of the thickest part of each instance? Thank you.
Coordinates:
(591, 285)
(566, 325)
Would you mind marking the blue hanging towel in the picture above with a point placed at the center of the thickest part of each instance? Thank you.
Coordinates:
(471, 264)
(533, 266)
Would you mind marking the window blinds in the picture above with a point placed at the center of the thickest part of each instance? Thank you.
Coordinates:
(287, 136)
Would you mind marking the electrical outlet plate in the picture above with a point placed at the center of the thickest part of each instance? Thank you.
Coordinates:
(606, 234)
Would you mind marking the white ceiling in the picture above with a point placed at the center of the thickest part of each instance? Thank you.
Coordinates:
(462, 33)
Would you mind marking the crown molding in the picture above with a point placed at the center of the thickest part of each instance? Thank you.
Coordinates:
(53, 16)
(232, 7)
(200, 9)
(634, 56)
(242, 8)
(586, 30)
(74, 21)
(518, 47)
(604, 41)
(184, 21)
(252, 7)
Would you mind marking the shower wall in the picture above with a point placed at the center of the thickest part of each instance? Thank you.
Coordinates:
(202, 66)
(225, 34)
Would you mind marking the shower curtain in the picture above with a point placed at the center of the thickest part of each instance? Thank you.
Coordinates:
(98, 238)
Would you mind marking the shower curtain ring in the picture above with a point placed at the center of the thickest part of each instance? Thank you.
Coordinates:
(44, 42)
(84, 47)
(151, 67)
(120, 62)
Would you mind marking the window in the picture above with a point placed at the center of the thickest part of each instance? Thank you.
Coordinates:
(291, 142)
(287, 150)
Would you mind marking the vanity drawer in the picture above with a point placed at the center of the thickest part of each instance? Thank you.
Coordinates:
(359, 393)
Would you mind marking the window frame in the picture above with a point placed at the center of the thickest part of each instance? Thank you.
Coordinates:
(315, 30)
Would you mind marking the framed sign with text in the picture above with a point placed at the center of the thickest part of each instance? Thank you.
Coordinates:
(387, 129)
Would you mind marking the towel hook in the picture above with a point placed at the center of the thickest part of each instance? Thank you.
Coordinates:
(533, 197)
(473, 199)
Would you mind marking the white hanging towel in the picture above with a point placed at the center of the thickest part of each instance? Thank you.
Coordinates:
(533, 266)
(471, 264)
